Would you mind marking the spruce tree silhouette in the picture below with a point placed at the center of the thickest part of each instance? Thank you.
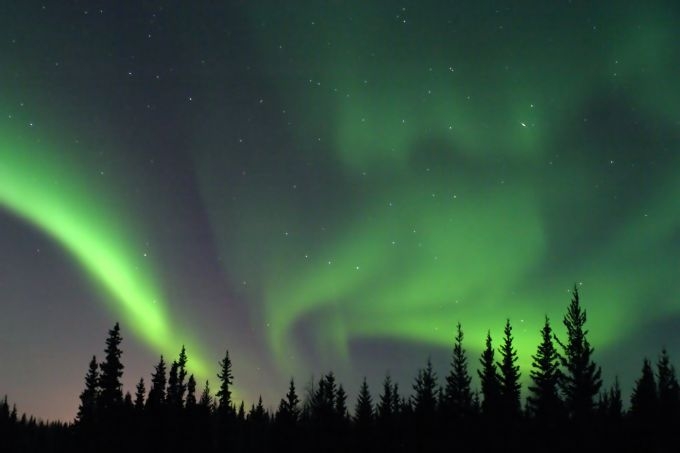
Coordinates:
(425, 396)
(191, 393)
(140, 394)
(226, 378)
(509, 375)
(289, 408)
(127, 402)
(615, 401)
(363, 412)
(257, 413)
(89, 398)
(111, 395)
(458, 393)
(385, 408)
(644, 399)
(173, 386)
(181, 376)
(490, 382)
(341, 404)
(175, 421)
(323, 400)
(156, 398)
(364, 419)
(610, 405)
(386, 414)
(286, 420)
(424, 406)
(206, 400)
(241, 414)
(669, 391)
(341, 420)
(544, 403)
(580, 381)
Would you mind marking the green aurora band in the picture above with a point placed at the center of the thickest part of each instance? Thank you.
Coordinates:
(52, 193)
(424, 243)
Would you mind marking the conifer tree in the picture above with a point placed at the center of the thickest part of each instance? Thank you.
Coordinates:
(157, 396)
(4, 410)
(289, 410)
(458, 394)
(363, 413)
(509, 374)
(173, 386)
(580, 381)
(127, 402)
(257, 413)
(643, 401)
(385, 405)
(323, 400)
(544, 403)
(611, 405)
(425, 396)
(206, 400)
(140, 393)
(241, 414)
(111, 372)
(226, 381)
(181, 376)
(89, 397)
(615, 400)
(669, 391)
(398, 402)
(341, 403)
(490, 381)
(191, 392)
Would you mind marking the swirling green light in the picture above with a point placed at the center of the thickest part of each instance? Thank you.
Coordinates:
(53, 193)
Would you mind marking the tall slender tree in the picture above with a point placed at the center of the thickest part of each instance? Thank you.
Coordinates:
(111, 372)
(206, 400)
(89, 397)
(140, 394)
(458, 393)
(363, 413)
(581, 380)
(173, 386)
(385, 407)
(341, 404)
(157, 397)
(510, 388)
(643, 401)
(323, 401)
(611, 403)
(226, 381)
(490, 381)
(181, 376)
(425, 392)
(289, 408)
(544, 402)
(191, 392)
(669, 391)
(257, 414)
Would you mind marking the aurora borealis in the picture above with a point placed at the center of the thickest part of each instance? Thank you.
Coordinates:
(333, 184)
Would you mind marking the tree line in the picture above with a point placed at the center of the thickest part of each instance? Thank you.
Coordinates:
(566, 408)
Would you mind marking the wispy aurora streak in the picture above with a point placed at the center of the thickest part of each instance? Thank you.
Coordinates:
(477, 172)
(52, 193)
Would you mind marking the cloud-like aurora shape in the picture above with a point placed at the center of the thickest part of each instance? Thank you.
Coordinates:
(55, 195)
(426, 108)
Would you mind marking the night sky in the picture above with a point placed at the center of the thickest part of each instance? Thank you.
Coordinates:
(331, 185)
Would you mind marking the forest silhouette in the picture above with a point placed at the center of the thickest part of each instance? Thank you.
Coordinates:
(566, 408)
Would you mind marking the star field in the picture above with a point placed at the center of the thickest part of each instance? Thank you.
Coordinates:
(335, 185)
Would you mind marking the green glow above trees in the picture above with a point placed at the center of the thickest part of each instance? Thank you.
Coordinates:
(54, 194)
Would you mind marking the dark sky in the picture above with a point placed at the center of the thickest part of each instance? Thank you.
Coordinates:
(331, 185)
